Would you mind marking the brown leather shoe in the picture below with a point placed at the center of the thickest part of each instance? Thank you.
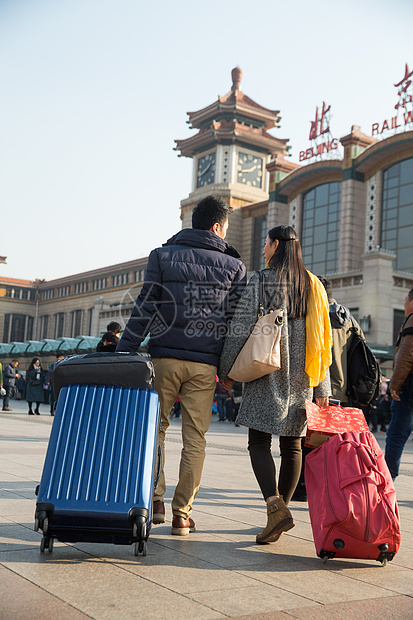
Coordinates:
(181, 526)
(158, 512)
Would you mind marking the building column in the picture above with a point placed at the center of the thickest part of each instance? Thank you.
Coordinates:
(352, 224)
(376, 295)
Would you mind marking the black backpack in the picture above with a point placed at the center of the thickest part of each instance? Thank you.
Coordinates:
(363, 372)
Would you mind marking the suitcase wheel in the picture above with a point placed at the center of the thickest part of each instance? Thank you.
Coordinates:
(36, 525)
(140, 547)
(46, 543)
(326, 555)
(385, 555)
(139, 528)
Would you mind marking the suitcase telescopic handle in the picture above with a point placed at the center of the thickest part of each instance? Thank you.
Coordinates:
(159, 467)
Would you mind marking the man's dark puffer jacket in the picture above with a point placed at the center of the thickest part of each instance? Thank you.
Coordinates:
(191, 288)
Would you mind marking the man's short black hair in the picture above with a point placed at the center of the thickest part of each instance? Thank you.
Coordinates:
(114, 327)
(209, 211)
(328, 286)
(410, 294)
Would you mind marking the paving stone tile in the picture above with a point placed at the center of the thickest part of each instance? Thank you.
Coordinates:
(16, 536)
(320, 585)
(394, 607)
(389, 578)
(21, 599)
(236, 601)
(119, 593)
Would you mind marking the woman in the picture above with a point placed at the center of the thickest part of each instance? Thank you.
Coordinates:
(34, 386)
(275, 403)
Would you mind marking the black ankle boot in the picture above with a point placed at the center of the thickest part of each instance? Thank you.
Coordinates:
(30, 412)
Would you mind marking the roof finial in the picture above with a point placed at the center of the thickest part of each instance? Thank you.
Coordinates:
(236, 75)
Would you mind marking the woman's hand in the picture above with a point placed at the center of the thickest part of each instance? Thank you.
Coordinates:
(322, 401)
(228, 384)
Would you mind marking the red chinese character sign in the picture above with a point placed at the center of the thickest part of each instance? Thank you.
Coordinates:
(324, 145)
(403, 119)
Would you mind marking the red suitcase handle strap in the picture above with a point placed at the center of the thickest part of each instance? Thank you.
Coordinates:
(368, 456)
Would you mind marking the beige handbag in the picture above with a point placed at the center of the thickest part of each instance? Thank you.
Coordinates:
(260, 354)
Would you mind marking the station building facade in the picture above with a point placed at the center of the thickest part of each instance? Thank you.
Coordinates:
(354, 217)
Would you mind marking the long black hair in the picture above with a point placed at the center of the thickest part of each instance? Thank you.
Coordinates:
(288, 271)
(32, 364)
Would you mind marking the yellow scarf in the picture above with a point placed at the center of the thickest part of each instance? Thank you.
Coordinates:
(318, 333)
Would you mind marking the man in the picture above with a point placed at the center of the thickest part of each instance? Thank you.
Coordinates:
(192, 285)
(401, 390)
(9, 382)
(48, 384)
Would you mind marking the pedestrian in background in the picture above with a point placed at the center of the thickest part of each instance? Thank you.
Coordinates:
(384, 405)
(10, 375)
(108, 343)
(221, 396)
(401, 390)
(34, 385)
(48, 382)
(114, 328)
(275, 404)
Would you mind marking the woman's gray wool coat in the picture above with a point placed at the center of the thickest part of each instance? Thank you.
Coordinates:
(274, 403)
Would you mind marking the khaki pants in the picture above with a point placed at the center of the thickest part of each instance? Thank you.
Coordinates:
(195, 385)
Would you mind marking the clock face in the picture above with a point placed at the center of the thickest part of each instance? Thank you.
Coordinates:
(206, 170)
(249, 170)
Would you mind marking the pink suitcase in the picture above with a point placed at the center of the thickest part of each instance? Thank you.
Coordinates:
(352, 500)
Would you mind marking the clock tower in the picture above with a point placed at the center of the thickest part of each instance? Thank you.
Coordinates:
(230, 150)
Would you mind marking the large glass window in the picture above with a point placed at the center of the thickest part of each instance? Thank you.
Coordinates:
(321, 228)
(44, 329)
(76, 323)
(17, 328)
(59, 324)
(259, 235)
(397, 213)
(398, 318)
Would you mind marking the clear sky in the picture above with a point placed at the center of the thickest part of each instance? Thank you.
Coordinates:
(94, 92)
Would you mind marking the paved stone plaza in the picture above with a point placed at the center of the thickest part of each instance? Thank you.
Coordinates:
(216, 572)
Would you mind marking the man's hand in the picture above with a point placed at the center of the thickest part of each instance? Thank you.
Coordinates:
(395, 394)
(322, 401)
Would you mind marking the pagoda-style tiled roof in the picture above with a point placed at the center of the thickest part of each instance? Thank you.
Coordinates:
(238, 104)
(234, 117)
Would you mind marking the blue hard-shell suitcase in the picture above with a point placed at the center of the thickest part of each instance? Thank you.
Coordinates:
(98, 476)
